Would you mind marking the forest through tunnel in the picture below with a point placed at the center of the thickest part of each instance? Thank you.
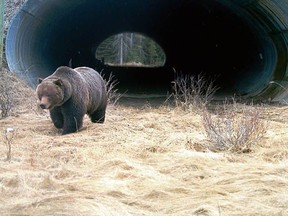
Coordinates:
(240, 44)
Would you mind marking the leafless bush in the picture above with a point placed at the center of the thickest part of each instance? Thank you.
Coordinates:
(112, 91)
(15, 95)
(7, 97)
(192, 91)
(238, 128)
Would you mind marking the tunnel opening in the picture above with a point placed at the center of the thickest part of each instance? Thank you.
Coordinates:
(130, 49)
(229, 41)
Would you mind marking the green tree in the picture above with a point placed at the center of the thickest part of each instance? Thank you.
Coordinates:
(151, 52)
(106, 51)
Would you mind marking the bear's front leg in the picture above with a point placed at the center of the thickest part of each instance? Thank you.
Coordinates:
(73, 119)
(72, 124)
(57, 117)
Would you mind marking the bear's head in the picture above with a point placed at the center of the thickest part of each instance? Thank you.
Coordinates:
(50, 93)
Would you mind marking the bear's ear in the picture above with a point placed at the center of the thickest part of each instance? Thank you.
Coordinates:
(58, 82)
(40, 80)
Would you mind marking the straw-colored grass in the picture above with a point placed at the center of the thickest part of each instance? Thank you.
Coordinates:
(144, 160)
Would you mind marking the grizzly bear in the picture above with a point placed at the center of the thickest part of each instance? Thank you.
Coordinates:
(70, 93)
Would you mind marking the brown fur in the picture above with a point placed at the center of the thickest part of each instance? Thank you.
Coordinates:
(69, 94)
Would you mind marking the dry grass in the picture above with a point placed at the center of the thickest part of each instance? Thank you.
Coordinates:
(144, 160)
(112, 91)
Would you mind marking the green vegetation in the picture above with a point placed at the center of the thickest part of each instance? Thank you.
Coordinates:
(131, 48)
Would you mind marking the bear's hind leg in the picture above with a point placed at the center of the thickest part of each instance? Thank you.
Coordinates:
(57, 117)
(98, 116)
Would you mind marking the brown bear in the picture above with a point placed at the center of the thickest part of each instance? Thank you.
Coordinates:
(69, 94)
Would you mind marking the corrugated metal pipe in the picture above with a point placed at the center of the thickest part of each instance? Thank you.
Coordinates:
(242, 43)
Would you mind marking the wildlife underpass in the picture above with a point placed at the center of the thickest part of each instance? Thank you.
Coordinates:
(242, 44)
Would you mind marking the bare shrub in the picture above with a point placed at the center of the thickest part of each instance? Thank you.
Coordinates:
(112, 91)
(238, 128)
(7, 98)
(15, 95)
(190, 91)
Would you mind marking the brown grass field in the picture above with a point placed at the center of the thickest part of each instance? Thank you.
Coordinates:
(146, 159)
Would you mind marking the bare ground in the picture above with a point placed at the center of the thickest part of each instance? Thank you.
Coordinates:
(144, 160)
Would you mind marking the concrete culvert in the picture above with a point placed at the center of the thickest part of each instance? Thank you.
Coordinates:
(242, 43)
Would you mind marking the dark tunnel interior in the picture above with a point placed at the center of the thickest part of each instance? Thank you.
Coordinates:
(227, 41)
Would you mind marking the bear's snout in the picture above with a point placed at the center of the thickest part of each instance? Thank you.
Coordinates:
(44, 102)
